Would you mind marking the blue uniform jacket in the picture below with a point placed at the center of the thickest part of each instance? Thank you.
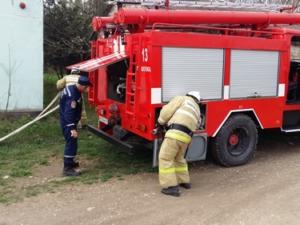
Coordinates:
(70, 107)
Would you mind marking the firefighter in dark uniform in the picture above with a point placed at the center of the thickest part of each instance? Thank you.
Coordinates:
(70, 113)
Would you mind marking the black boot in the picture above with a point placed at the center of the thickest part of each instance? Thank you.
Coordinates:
(70, 172)
(173, 191)
(186, 185)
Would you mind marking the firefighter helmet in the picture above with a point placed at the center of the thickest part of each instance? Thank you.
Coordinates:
(75, 71)
(195, 94)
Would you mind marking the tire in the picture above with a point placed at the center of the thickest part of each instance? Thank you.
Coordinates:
(236, 141)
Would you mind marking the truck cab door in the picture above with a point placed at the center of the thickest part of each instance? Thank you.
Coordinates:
(293, 96)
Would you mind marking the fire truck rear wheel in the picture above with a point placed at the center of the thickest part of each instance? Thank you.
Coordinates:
(236, 141)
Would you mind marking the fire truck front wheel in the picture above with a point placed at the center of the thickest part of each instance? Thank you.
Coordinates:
(236, 141)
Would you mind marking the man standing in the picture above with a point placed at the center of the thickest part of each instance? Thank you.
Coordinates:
(182, 116)
(70, 113)
(72, 79)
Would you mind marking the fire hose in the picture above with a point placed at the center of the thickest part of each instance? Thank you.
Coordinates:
(43, 114)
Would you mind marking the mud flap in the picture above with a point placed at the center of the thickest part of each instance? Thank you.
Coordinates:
(197, 148)
(156, 147)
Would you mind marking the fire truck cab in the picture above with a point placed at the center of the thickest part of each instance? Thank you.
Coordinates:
(245, 65)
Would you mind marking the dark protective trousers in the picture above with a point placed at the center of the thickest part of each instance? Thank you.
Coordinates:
(70, 147)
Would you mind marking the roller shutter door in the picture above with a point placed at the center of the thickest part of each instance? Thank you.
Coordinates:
(192, 69)
(253, 73)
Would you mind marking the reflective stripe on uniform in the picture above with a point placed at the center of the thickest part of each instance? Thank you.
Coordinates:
(173, 170)
(181, 169)
(69, 93)
(166, 170)
(178, 136)
(190, 105)
(182, 111)
(71, 124)
(69, 156)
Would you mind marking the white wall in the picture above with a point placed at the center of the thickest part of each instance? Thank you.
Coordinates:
(21, 55)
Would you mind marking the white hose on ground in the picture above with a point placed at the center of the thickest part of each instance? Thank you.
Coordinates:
(40, 116)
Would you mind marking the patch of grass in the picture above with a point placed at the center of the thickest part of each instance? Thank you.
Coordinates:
(33, 191)
(8, 195)
(35, 146)
(106, 176)
(7, 199)
(20, 172)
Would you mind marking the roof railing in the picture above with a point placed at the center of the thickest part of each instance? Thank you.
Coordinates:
(241, 5)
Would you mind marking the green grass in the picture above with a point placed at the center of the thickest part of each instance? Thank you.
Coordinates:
(43, 141)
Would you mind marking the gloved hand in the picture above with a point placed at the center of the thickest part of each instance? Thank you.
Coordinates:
(161, 128)
(158, 128)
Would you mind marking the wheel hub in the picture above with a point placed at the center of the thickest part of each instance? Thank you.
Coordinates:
(233, 139)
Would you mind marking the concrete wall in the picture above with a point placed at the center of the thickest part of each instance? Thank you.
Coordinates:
(21, 56)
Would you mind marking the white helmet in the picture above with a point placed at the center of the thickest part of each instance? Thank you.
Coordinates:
(75, 71)
(195, 94)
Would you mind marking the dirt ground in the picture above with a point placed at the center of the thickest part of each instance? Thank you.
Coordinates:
(266, 191)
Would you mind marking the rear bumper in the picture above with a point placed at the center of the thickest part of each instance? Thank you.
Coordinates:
(108, 137)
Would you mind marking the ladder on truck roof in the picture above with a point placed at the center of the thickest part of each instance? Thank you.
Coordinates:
(243, 5)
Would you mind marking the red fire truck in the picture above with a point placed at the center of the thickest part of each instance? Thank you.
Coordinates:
(246, 66)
